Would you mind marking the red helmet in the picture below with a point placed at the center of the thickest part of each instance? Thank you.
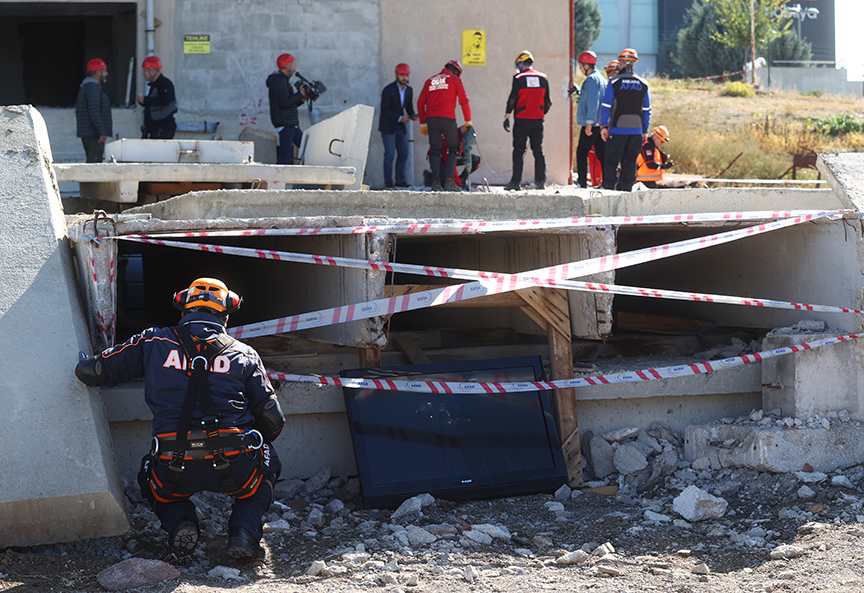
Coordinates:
(96, 64)
(152, 62)
(284, 60)
(455, 65)
(403, 69)
(587, 57)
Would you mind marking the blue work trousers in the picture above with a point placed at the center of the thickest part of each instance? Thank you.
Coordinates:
(289, 137)
(395, 144)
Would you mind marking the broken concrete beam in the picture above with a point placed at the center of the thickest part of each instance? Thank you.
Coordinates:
(775, 448)
(843, 174)
(59, 479)
(815, 381)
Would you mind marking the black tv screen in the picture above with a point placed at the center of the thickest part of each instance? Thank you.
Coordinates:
(454, 445)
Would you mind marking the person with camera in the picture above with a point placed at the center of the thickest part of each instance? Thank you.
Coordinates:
(215, 414)
(283, 107)
(160, 103)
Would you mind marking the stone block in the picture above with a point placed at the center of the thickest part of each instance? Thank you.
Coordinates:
(59, 478)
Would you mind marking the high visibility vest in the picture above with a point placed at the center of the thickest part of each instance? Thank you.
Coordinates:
(643, 171)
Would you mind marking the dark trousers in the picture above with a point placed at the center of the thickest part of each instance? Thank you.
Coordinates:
(199, 476)
(160, 133)
(395, 144)
(93, 149)
(623, 149)
(445, 127)
(524, 130)
(289, 137)
(582, 150)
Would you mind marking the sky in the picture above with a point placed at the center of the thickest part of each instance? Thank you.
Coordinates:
(850, 41)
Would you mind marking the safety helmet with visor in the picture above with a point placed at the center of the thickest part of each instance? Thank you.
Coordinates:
(662, 133)
(209, 294)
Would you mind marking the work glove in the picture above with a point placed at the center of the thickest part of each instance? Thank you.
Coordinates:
(574, 90)
(506, 124)
(424, 129)
(465, 126)
(668, 164)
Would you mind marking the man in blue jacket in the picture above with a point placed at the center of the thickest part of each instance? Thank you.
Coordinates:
(397, 109)
(283, 107)
(93, 111)
(588, 116)
(160, 103)
(625, 114)
(214, 415)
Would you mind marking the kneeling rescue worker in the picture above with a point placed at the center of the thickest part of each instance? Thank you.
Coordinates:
(214, 417)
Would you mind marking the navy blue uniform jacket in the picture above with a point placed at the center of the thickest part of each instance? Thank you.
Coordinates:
(238, 381)
(392, 110)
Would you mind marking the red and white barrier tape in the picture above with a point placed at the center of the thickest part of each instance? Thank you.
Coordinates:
(717, 76)
(462, 274)
(493, 226)
(670, 372)
(503, 282)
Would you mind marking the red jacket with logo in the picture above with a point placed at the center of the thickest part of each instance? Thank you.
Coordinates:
(529, 95)
(439, 95)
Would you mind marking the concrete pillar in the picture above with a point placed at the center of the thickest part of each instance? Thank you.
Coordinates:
(827, 379)
(58, 475)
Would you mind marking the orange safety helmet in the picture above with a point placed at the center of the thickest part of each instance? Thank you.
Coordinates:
(455, 65)
(612, 68)
(284, 60)
(152, 62)
(96, 64)
(587, 57)
(662, 133)
(403, 69)
(628, 57)
(208, 293)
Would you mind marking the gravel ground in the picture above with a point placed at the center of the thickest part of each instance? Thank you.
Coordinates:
(779, 532)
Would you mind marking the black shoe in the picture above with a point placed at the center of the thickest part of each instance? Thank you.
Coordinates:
(540, 185)
(242, 545)
(183, 538)
(388, 184)
(512, 186)
(402, 184)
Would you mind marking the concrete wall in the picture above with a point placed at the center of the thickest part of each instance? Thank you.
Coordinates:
(832, 81)
(352, 46)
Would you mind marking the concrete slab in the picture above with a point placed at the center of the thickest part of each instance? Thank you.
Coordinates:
(774, 448)
(123, 176)
(845, 176)
(59, 478)
(129, 150)
(814, 381)
(342, 140)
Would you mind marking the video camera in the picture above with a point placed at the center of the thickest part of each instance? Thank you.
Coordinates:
(314, 89)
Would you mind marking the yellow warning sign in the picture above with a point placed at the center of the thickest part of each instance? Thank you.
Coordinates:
(473, 47)
(196, 44)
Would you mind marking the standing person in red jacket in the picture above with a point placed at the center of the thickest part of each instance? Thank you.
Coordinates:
(528, 102)
(436, 107)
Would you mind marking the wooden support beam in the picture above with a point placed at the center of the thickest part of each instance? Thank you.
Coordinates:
(410, 350)
(370, 358)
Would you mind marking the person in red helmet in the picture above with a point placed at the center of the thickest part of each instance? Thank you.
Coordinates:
(436, 108)
(284, 101)
(588, 116)
(160, 102)
(93, 111)
(397, 110)
(215, 414)
(529, 102)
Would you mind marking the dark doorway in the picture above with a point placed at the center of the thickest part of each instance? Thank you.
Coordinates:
(45, 47)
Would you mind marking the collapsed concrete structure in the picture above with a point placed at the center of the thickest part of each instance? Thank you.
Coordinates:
(127, 285)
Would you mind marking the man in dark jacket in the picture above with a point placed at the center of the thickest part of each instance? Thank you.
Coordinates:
(214, 415)
(160, 103)
(93, 111)
(397, 109)
(283, 107)
(625, 114)
(529, 102)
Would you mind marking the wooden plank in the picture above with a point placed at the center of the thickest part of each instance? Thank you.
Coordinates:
(410, 350)
(567, 418)
(176, 188)
(369, 357)
(551, 304)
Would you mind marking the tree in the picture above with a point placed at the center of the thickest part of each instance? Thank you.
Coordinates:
(696, 51)
(743, 24)
(587, 19)
(790, 47)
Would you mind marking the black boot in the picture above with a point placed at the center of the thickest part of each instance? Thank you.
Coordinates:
(183, 538)
(242, 545)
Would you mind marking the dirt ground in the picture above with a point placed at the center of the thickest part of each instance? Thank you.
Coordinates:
(369, 550)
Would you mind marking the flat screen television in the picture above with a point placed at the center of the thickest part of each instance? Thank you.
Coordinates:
(454, 445)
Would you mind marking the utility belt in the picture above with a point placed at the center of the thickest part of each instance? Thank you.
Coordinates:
(198, 445)
(220, 448)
